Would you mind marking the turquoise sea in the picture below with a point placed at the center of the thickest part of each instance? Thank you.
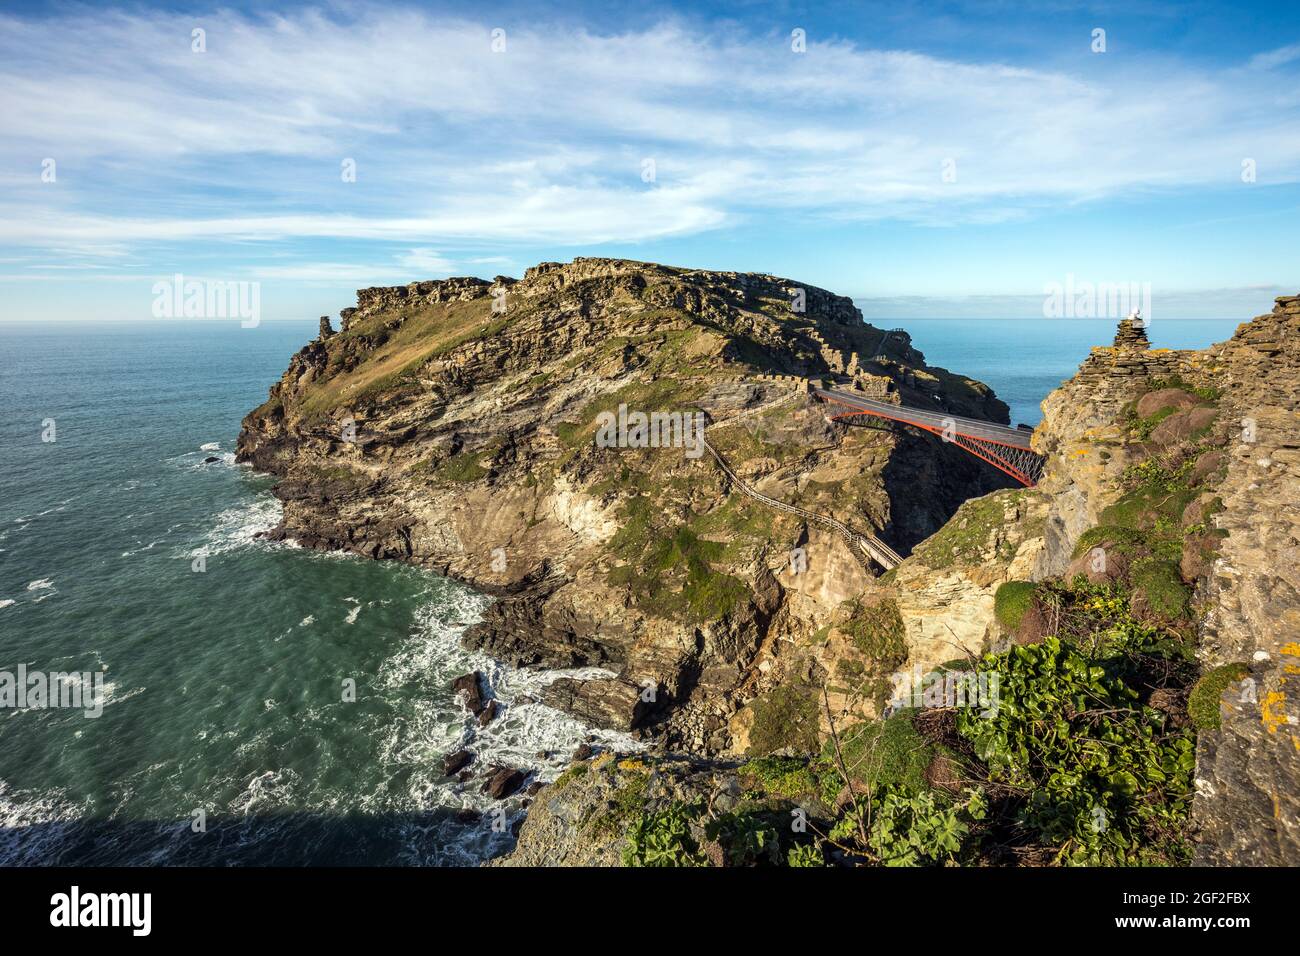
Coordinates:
(225, 686)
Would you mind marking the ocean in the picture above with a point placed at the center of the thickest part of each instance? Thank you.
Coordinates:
(227, 734)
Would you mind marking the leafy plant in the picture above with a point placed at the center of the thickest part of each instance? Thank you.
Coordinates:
(923, 828)
(662, 838)
(1101, 771)
(750, 839)
(805, 855)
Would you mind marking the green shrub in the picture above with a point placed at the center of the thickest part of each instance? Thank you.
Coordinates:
(784, 718)
(805, 855)
(1203, 703)
(662, 838)
(779, 776)
(877, 631)
(1104, 776)
(1011, 601)
(1117, 538)
(1163, 587)
(885, 753)
(922, 828)
(748, 838)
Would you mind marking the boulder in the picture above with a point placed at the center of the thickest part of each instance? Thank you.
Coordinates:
(488, 713)
(503, 782)
(1113, 568)
(1206, 465)
(612, 703)
(455, 762)
(1181, 426)
(469, 688)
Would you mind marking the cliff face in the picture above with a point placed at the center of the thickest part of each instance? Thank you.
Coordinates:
(1168, 511)
(454, 425)
(1243, 566)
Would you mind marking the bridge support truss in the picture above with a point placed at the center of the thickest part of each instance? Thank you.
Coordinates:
(1021, 464)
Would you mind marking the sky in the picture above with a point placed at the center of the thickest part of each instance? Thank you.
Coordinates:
(947, 159)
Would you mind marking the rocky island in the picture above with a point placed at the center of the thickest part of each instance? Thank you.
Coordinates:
(1090, 670)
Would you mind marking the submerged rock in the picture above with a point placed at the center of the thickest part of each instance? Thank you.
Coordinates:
(453, 763)
(469, 689)
(503, 782)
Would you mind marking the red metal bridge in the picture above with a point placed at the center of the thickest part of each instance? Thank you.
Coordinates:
(1007, 449)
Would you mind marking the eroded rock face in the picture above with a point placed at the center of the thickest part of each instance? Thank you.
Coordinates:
(452, 425)
(1248, 772)
(945, 590)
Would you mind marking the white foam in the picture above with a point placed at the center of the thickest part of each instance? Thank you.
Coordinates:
(34, 826)
(148, 547)
(210, 446)
(40, 584)
(435, 726)
(266, 791)
(237, 528)
(6, 602)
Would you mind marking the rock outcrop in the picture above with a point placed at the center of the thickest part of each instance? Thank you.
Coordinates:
(452, 424)
(1247, 807)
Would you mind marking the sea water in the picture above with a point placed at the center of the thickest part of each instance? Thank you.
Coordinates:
(227, 735)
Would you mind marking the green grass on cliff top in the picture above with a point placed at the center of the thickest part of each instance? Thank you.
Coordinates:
(424, 334)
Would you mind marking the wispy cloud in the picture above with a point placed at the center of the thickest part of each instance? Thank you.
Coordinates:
(553, 140)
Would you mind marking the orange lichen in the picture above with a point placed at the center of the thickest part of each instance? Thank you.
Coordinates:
(1271, 712)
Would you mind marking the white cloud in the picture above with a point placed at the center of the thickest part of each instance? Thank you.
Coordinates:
(427, 261)
(456, 145)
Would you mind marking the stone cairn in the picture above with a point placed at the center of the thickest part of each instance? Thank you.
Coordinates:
(1132, 335)
(326, 330)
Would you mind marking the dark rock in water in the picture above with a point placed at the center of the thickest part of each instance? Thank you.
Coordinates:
(503, 782)
(583, 752)
(469, 687)
(465, 776)
(488, 713)
(210, 459)
(454, 763)
(534, 788)
(468, 816)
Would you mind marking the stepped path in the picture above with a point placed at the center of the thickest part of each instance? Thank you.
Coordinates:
(1007, 449)
(865, 547)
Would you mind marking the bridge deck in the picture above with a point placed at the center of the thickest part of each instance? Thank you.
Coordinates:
(986, 431)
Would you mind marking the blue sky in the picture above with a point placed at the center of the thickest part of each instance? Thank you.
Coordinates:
(927, 159)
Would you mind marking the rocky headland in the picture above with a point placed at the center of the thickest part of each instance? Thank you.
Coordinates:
(1138, 606)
